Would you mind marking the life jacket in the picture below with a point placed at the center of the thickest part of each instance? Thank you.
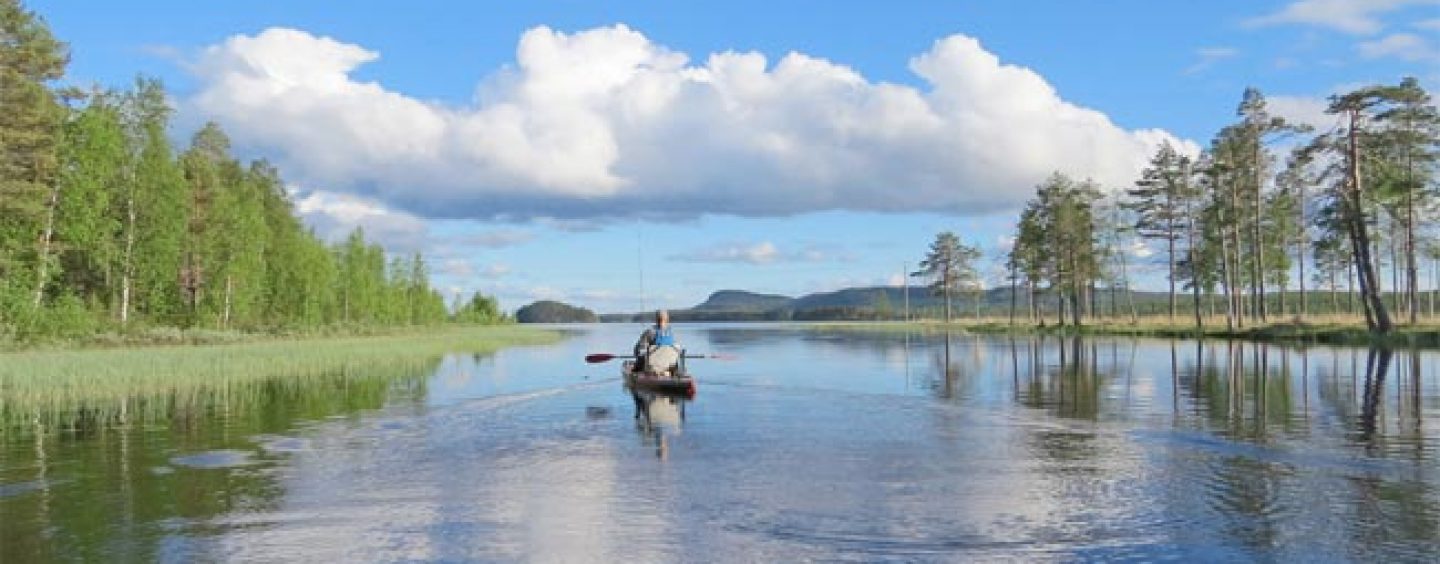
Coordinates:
(664, 337)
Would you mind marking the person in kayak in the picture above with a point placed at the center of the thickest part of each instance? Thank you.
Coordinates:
(657, 351)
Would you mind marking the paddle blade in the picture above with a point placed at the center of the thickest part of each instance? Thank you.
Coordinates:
(599, 357)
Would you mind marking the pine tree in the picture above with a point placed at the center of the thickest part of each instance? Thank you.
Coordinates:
(950, 265)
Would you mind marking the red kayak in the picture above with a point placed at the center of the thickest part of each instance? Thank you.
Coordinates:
(682, 385)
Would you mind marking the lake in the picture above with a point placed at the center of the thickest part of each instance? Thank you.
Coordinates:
(828, 444)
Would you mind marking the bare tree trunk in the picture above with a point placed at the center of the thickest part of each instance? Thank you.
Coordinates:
(42, 270)
(1361, 236)
(1125, 278)
(1226, 283)
(1234, 286)
(1014, 290)
(229, 291)
(1258, 233)
(127, 270)
(1301, 242)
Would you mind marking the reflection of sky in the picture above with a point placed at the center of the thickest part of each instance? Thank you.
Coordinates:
(815, 445)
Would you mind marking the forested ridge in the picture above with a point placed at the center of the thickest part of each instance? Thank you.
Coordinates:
(108, 228)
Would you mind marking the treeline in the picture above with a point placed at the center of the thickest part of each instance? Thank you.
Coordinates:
(1259, 233)
(106, 226)
(1236, 224)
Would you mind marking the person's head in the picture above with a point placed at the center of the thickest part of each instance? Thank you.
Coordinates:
(662, 318)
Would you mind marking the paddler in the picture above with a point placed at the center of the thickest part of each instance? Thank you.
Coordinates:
(657, 351)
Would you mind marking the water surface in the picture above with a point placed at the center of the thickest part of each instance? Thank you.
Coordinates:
(823, 445)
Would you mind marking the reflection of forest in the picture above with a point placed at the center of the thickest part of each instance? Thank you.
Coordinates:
(1290, 402)
(105, 490)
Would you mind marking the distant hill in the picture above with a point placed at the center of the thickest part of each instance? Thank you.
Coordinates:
(740, 300)
(864, 303)
(546, 311)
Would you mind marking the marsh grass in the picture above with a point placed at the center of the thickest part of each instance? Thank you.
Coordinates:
(64, 387)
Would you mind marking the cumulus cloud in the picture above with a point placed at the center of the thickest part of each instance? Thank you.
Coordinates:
(334, 215)
(605, 123)
(1360, 17)
(1403, 46)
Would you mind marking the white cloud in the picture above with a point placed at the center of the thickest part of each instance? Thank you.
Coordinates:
(495, 239)
(1404, 46)
(764, 252)
(1432, 24)
(335, 215)
(496, 270)
(605, 123)
(759, 253)
(1302, 109)
(1360, 17)
(458, 268)
(1208, 56)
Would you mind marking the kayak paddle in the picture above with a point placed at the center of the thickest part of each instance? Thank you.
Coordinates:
(597, 358)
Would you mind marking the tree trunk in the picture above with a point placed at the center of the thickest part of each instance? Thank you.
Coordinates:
(1170, 242)
(1258, 231)
(127, 270)
(1380, 323)
(1226, 283)
(1234, 290)
(42, 270)
(1129, 294)
(229, 291)
(1301, 243)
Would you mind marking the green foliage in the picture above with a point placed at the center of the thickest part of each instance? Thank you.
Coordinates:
(132, 236)
(480, 310)
(950, 266)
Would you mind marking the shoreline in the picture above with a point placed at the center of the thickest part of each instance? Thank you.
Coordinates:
(1321, 331)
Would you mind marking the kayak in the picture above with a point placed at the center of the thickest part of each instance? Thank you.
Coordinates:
(682, 385)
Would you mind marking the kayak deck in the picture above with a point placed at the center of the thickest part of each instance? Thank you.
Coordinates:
(682, 385)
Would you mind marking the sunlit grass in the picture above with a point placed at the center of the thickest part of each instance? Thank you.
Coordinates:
(37, 385)
(1334, 329)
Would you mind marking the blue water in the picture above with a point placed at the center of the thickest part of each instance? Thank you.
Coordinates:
(827, 445)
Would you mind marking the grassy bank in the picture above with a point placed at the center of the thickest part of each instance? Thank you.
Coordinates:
(1340, 330)
(36, 384)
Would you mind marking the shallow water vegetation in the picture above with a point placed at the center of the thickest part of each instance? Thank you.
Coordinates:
(57, 387)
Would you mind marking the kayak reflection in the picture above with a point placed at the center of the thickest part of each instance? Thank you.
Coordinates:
(658, 415)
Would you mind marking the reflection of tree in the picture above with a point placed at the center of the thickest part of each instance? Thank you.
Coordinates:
(955, 373)
(1071, 387)
(105, 489)
(1240, 392)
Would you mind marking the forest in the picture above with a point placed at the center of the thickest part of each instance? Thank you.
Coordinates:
(1272, 220)
(108, 228)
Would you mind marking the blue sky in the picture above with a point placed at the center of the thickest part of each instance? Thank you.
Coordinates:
(551, 149)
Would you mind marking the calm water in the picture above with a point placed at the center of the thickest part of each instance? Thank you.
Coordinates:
(810, 445)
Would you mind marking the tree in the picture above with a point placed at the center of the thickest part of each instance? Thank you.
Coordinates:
(1256, 128)
(30, 127)
(1351, 196)
(1410, 135)
(481, 309)
(1057, 230)
(950, 265)
(1159, 201)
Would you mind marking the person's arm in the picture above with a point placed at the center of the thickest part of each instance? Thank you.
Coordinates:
(646, 339)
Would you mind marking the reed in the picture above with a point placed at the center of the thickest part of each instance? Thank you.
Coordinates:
(42, 386)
